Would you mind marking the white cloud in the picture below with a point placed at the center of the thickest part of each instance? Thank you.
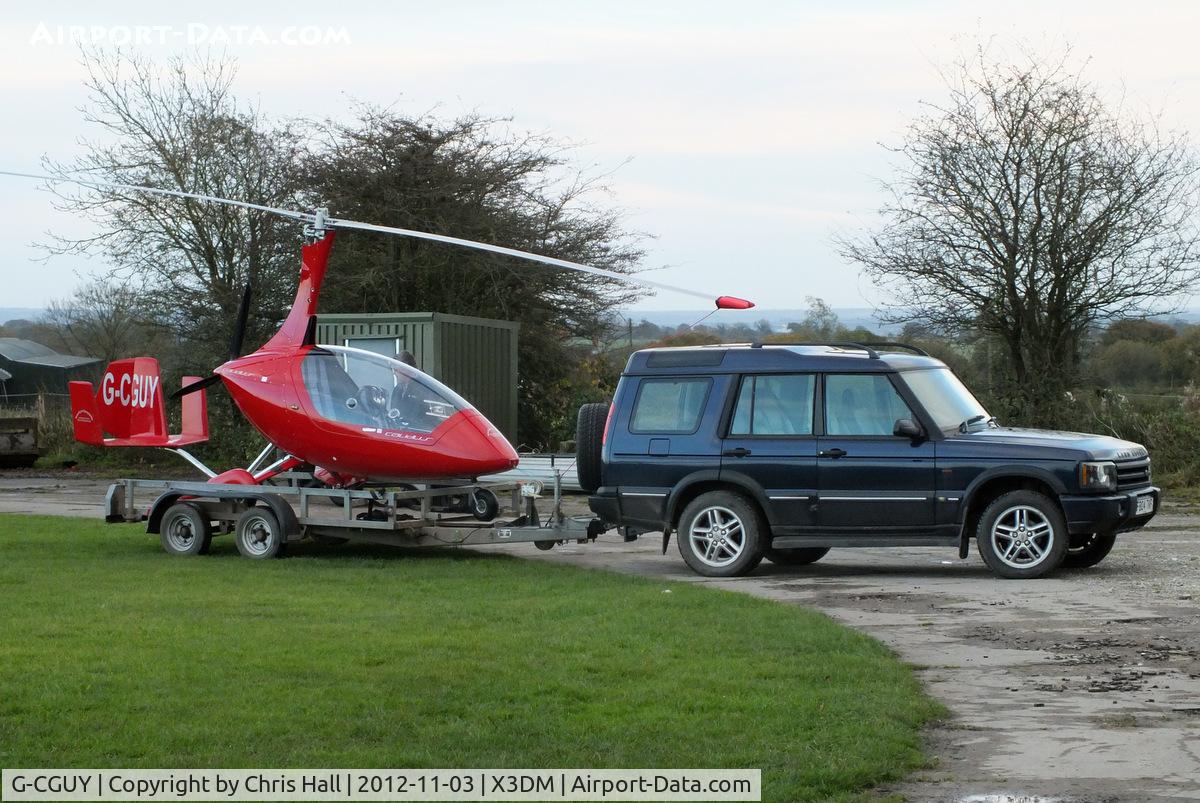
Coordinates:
(753, 127)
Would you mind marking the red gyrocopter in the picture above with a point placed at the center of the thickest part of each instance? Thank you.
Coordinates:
(360, 418)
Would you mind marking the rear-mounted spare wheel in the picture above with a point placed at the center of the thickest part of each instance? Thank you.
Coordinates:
(589, 444)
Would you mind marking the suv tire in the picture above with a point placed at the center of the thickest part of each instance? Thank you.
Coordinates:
(721, 535)
(800, 556)
(589, 444)
(1094, 549)
(1022, 535)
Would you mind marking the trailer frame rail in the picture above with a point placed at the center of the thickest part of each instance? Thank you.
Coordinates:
(409, 517)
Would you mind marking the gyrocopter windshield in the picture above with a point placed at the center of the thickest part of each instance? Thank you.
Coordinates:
(361, 388)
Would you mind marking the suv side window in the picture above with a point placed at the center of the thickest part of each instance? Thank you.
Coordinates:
(779, 404)
(670, 406)
(862, 404)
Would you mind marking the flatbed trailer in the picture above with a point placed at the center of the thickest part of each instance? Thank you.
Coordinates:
(265, 519)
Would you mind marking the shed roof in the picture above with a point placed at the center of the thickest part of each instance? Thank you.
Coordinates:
(31, 353)
(411, 317)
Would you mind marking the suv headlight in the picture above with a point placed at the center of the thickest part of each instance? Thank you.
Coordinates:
(1098, 476)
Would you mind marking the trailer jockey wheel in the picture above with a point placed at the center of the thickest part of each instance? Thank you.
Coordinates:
(484, 504)
(258, 534)
(185, 531)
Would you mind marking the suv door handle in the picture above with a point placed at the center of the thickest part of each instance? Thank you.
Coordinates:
(738, 452)
(835, 452)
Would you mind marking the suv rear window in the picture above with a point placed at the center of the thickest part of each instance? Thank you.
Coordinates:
(774, 405)
(670, 406)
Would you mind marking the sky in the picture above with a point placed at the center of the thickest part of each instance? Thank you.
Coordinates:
(742, 137)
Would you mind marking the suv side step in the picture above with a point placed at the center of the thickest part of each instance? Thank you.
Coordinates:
(801, 541)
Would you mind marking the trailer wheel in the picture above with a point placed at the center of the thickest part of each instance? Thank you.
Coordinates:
(258, 534)
(185, 530)
(589, 445)
(484, 504)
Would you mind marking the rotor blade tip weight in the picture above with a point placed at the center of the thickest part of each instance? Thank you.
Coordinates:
(733, 302)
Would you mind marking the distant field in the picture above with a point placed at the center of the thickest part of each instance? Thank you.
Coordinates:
(114, 654)
(20, 313)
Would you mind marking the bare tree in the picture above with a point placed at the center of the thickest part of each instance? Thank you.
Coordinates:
(473, 177)
(1029, 210)
(820, 322)
(179, 127)
(101, 319)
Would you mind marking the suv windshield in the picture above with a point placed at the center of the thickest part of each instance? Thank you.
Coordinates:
(946, 399)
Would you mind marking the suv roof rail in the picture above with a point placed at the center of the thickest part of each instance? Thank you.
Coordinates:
(870, 348)
(841, 344)
(907, 346)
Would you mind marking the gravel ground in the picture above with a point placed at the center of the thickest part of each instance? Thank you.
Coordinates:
(1084, 686)
(1080, 687)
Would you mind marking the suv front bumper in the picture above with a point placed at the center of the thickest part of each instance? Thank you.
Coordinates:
(1108, 513)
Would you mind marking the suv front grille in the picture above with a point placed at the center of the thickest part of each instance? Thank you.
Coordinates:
(1133, 473)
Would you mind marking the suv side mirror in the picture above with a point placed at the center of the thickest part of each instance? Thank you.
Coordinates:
(907, 428)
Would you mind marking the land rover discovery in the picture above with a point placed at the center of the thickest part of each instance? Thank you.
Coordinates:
(783, 452)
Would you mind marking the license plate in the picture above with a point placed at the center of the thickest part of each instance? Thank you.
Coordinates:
(1145, 504)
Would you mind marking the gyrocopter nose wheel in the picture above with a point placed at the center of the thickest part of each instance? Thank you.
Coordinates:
(484, 504)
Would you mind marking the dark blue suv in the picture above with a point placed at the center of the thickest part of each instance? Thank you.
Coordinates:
(782, 452)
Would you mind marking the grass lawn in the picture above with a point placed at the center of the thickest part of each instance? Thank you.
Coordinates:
(114, 654)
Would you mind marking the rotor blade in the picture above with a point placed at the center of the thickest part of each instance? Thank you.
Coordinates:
(239, 331)
(722, 302)
(304, 217)
(195, 386)
(338, 223)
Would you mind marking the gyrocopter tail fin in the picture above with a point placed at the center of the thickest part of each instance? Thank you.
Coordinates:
(128, 407)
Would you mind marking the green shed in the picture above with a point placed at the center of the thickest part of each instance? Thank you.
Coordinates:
(475, 356)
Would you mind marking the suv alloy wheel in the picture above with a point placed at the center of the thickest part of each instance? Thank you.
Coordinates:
(721, 535)
(1022, 534)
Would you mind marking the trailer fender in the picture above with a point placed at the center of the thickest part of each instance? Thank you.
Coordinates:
(154, 518)
(286, 516)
